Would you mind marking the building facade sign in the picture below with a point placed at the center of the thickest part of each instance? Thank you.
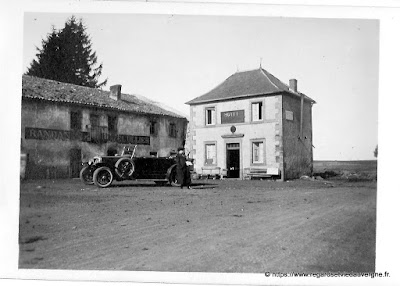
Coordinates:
(235, 116)
(51, 134)
(131, 139)
(289, 115)
(65, 135)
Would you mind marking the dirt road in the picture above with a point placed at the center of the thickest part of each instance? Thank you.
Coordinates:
(219, 226)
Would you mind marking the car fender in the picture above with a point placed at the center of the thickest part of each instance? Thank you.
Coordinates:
(169, 171)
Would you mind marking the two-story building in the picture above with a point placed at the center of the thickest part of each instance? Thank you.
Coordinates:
(252, 124)
(64, 124)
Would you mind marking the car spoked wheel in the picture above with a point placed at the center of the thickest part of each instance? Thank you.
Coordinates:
(173, 178)
(86, 176)
(124, 168)
(103, 177)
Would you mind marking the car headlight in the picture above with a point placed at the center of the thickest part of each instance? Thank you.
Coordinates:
(96, 160)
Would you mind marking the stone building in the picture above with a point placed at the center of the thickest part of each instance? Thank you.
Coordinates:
(252, 125)
(64, 124)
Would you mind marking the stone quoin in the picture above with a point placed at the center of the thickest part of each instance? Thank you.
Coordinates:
(273, 128)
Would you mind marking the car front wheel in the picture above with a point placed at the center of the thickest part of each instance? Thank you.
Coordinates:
(86, 176)
(103, 177)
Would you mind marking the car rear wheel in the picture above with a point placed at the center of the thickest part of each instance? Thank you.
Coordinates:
(103, 177)
(86, 176)
(173, 179)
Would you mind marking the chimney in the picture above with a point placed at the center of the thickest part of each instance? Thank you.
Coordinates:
(293, 84)
(115, 92)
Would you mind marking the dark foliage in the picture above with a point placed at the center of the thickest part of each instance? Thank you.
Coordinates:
(66, 55)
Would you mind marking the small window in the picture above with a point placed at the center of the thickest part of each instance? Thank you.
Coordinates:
(172, 130)
(76, 120)
(112, 124)
(233, 146)
(153, 130)
(210, 116)
(211, 154)
(94, 120)
(257, 152)
(257, 111)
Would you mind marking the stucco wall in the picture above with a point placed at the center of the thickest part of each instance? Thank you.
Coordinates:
(52, 158)
(45, 157)
(267, 130)
(297, 148)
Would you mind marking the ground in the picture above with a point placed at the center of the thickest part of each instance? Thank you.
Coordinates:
(218, 226)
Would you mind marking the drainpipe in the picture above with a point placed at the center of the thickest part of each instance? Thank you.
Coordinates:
(293, 87)
(301, 116)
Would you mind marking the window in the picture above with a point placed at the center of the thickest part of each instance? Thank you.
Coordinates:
(211, 154)
(94, 120)
(172, 130)
(258, 152)
(153, 130)
(256, 111)
(210, 116)
(76, 120)
(98, 134)
(112, 124)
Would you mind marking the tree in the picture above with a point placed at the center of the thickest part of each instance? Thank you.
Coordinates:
(376, 152)
(66, 55)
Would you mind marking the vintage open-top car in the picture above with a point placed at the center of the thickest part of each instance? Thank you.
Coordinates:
(103, 170)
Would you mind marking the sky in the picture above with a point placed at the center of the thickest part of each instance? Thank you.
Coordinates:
(175, 58)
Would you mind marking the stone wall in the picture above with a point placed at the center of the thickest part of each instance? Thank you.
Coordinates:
(297, 148)
(268, 130)
(51, 158)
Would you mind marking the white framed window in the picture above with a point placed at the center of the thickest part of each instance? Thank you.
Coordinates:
(257, 150)
(257, 111)
(210, 116)
(210, 154)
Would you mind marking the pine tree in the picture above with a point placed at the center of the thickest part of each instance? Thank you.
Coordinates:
(66, 55)
(376, 152)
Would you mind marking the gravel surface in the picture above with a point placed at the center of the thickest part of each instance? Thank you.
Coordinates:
(218, 226)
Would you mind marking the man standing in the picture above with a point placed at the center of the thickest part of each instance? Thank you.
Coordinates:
(182, 170)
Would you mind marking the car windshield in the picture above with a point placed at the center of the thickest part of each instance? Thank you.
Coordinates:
(128, 150)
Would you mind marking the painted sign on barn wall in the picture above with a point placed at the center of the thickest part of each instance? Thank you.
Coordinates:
(65, 135)
(51, 134)
(235, 116)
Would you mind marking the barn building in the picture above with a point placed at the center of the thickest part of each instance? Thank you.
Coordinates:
(252, 125)
(63, 125)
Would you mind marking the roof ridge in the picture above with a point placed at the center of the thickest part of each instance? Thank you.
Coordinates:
(263, 72)
(249, 70)
(57, 81)
(87, 96)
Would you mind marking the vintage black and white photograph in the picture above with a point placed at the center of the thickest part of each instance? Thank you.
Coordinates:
(198, 143)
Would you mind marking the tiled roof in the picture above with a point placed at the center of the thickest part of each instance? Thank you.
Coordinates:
(50, 90)
(246, 84)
